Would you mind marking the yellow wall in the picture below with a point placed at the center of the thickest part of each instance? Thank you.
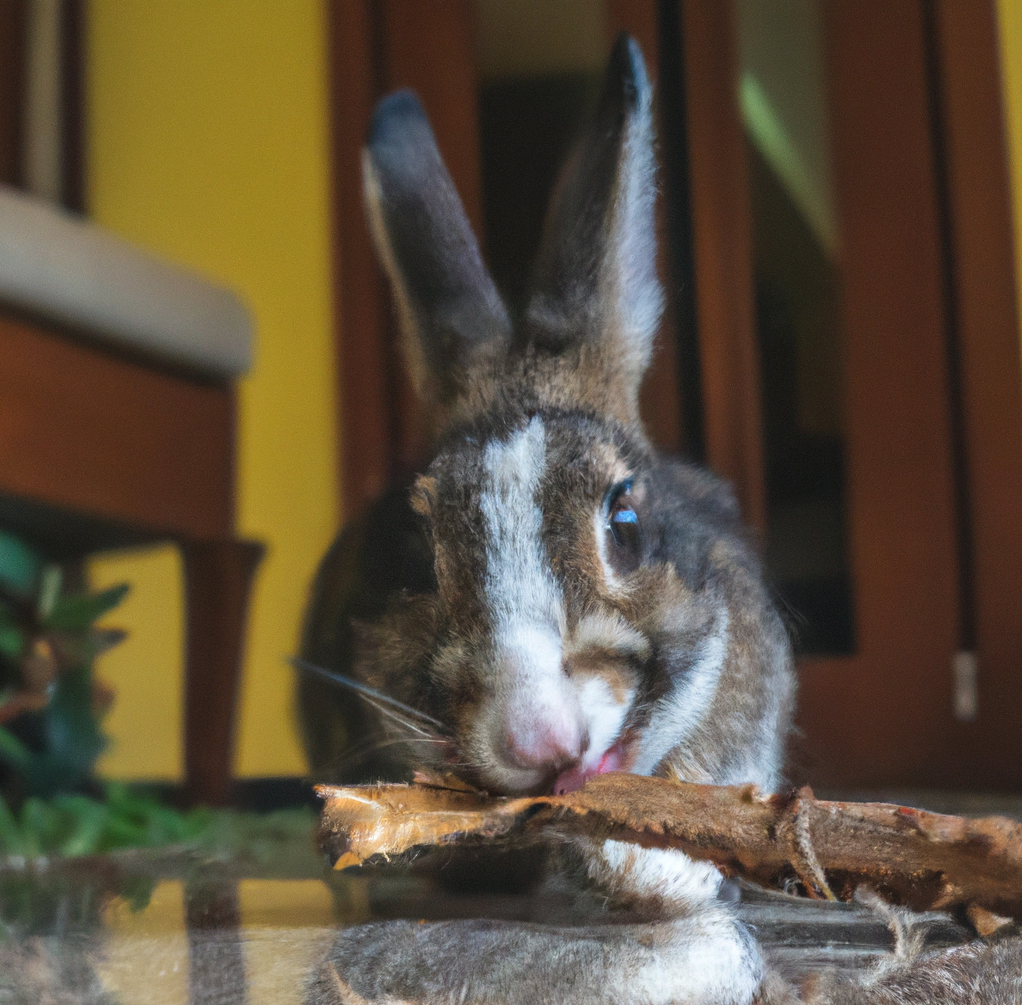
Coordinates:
(207, 142)
(1010, 25)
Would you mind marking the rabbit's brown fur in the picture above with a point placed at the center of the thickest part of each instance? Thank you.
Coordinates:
(554, 597)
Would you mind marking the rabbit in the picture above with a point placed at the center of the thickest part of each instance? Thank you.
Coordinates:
(552, 599)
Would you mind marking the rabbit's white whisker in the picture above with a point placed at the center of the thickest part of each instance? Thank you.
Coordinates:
(393, 716)
(360, 688)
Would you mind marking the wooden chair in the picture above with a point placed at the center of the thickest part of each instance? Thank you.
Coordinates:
(117, 429)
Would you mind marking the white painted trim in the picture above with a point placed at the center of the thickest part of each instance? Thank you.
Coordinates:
(70, 271)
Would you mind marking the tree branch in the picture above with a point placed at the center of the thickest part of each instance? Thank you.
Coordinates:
(920, 859)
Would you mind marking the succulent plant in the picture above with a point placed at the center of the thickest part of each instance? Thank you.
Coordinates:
(50, 702)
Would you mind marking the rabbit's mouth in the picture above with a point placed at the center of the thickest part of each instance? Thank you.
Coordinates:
(615, 758)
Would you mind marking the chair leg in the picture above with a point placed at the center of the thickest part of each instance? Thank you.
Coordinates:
(218, 579)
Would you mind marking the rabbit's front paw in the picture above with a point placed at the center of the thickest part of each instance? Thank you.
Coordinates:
(707, 957)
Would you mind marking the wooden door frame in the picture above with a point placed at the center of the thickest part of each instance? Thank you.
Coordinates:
(722, 249)
(985, 335)
(377, 46)
(14, 37)
(951, 295)
(884, 714)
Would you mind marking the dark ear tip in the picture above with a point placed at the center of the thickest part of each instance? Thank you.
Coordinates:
(396, 116)
(626, 70)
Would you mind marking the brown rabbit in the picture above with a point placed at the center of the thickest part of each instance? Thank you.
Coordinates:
(553, 599)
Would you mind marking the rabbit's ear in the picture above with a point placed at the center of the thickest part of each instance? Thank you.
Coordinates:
(595, 284)
(452, 318)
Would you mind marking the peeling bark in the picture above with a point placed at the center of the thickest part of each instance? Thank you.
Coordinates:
(926, 861)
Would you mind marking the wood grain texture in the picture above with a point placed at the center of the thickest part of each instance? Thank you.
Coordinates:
(72, 104)
(218, 579)
(376, 48)
(986, 330)
(366, 346)
(429, 48)
(113, 439)
(13, 24)
(884, 714)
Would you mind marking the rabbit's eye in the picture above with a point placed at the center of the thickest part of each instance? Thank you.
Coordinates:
(622, 519)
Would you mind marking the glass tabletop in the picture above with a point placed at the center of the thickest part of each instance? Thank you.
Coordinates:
(253, 923)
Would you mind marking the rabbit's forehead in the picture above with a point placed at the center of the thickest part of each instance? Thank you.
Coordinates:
(493, 487)
(511, 515)
(488, 495)
(575, 454)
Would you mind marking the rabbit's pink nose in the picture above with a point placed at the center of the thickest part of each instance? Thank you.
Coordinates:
(549, 745)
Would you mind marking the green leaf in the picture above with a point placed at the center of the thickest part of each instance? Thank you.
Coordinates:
(13, 751)
(12, 641)
(36, 822)
(49, 590)
(19, 565)
(87, 819)
(121, 833)
(80, 647)
(81, 610)
(73, 737)
(10, 833)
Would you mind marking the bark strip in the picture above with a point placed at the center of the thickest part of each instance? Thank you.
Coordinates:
(927, 861)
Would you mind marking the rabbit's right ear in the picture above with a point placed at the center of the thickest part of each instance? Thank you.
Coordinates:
(596, 296)
(453, 321)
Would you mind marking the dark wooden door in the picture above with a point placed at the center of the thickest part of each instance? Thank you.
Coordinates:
(884, 713)
(929, 689)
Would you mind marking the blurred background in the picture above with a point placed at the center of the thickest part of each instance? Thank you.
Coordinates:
(839, 181)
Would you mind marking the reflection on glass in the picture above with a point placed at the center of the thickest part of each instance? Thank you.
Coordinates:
(782, 94)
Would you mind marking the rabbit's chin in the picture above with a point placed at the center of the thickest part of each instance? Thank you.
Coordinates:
(613, 759)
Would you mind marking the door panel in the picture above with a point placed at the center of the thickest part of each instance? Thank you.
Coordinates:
(378, 46)
(986, 330)
(883, 715)
(722, 248)
(932, 393)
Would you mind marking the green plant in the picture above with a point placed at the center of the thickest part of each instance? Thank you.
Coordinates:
(74, 824)
(131, 817)
(50, 703)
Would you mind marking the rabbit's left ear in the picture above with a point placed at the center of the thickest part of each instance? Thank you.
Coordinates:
(453, 321)
(595, 285)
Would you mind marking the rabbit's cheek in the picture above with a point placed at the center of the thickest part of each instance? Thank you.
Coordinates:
(678, 714)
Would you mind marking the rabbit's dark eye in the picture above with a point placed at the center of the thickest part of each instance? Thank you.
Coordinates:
(622, 520)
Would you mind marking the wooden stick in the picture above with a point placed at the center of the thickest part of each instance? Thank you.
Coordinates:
(920, 859)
